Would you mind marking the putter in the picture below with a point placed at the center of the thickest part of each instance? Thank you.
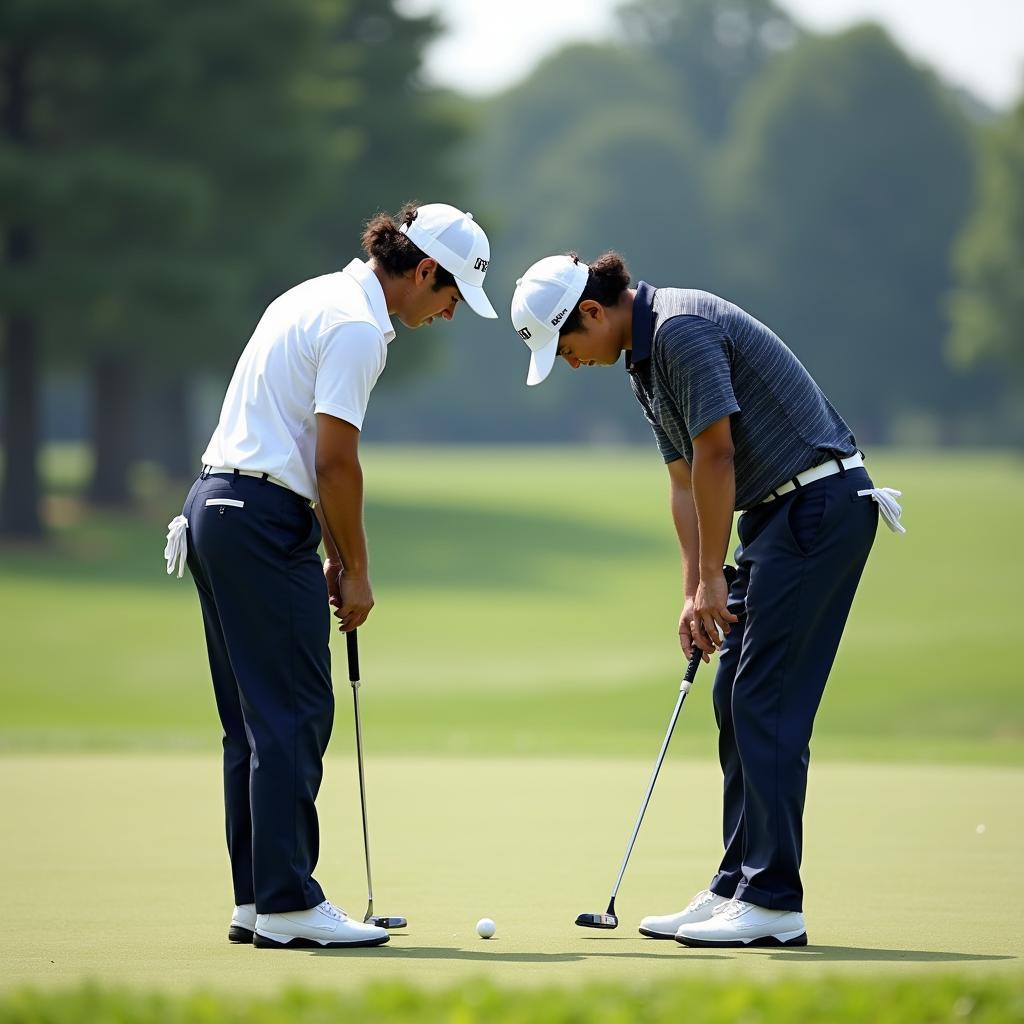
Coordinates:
(353, 676)
(608, 920)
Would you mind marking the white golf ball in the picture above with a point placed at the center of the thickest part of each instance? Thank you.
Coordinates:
(485, 927)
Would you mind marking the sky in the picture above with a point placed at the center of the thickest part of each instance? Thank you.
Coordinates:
(489, 44)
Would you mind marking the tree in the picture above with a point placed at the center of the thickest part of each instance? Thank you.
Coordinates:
(166, 172)
(850, 174)
(341, 127)
(988, 303)
(230, 107)
(712, 48)
(518, 128)
(64, 208)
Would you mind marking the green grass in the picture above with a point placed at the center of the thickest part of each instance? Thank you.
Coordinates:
(527, 603)
(518, 672)
(950, 1000)
(114, 870)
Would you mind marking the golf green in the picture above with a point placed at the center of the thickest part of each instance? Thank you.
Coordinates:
(114, 870)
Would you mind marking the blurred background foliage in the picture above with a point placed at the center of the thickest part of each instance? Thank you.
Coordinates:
(166, 169)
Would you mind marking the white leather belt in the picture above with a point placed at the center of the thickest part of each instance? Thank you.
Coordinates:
(229, 471)
(808, 476)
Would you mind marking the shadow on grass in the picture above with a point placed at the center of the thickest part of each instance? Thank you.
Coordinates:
(813, 954)
(456, 546)
(487, 956)
(865, 954)
(435, 545)
(835, 954)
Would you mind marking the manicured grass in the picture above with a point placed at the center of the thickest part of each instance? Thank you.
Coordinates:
(113, 869)
(527, 603)
(988, 1001)
(518, 674)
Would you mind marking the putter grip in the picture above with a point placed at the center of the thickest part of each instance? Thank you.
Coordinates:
(694, 663)
(353, 656)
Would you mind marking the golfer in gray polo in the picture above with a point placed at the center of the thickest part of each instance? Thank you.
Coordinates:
(741, 426)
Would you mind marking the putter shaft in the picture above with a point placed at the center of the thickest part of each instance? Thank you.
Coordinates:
(353, 675)
(609, 919)
(352, 649)
(684, 689)
(362, 796)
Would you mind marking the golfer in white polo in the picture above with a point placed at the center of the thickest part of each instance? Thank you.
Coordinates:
(280, 472)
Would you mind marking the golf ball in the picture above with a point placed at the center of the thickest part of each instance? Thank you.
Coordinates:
(485, 927)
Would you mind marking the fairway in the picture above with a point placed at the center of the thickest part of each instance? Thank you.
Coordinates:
(116, 872)
(527, 603)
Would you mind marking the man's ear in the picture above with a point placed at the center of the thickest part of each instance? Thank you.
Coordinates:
(591, 309)
(425, 269)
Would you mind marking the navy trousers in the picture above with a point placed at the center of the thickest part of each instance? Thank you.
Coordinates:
(252, 551)
(799, 562)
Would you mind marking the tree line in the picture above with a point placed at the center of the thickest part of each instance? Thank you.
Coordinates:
(166, 169)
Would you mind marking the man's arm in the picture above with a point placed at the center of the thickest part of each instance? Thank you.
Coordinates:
(714, 497)
(339, 479)
(333, 555)
(684, 515)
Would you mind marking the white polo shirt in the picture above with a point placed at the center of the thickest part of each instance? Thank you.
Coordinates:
(320, 347)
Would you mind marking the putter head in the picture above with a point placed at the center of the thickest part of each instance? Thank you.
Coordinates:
(385, 922)
(607, 921)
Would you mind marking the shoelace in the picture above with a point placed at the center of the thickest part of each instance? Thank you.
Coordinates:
(734, 908)
(331, 910)
(885, 498)
(698, 901)
(176, 550)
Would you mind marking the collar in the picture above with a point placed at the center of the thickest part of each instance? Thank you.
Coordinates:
(368, 281)
(643, 325)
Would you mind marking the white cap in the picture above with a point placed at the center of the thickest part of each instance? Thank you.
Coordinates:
(459, 244)
(545, 296)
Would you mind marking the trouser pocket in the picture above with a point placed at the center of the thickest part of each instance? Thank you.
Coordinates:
(805, 514)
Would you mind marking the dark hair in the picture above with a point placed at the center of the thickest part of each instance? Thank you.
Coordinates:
(607, 280)
(392, 251)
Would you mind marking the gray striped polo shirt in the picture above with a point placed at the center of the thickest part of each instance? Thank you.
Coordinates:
(697, 358)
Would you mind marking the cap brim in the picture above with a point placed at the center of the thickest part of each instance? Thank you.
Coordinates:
(477, 300)
(542, 361)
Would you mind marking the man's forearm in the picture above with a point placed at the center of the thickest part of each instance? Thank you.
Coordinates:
(329, 546)
(714, 498)
(684, 515)
(341, 516)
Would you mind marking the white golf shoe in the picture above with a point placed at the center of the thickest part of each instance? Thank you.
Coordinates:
(324, 926)
(243, 923)
(744, 924)
(701, 908)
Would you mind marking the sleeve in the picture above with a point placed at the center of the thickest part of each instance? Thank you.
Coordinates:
(350, 359)
(665, 446)
(697, 364)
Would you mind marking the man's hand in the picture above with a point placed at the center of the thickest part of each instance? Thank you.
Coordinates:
(350, 596)
(353, 601)
(332, 573)
(710, 612)
(685, 632)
